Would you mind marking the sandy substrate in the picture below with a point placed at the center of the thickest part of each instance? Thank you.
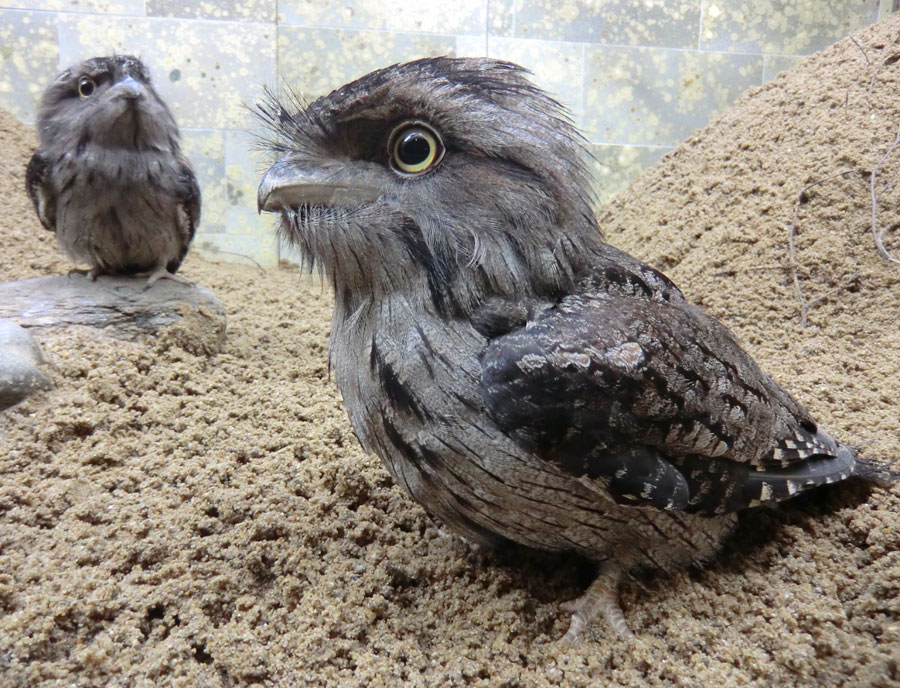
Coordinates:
(168, 519)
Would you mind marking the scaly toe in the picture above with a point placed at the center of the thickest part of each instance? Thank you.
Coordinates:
(600, 597)
(162, 273)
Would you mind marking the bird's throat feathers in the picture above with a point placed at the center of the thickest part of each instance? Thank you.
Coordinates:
(447, 267)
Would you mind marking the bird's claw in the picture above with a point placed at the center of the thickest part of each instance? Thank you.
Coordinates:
(91, 273)
(600, 597)
(162, 273)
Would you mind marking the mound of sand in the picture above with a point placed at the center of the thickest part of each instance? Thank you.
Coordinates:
(174, 519)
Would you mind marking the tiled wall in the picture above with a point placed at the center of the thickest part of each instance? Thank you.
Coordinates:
(638, 75)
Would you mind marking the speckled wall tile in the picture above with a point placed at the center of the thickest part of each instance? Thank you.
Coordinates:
(317, 61)
(774, 64)
(229, 169)
(29, 59)
(243, 10)
(135, 7)
(205, 148)
(434, 16)
(501, 17)
(558, 67)
(245, 164)
(666, 23)
(789, 27)
(886, 7)
(471, 46)
(614, 167)
(205, 70)
(655, 96)
(244, 167)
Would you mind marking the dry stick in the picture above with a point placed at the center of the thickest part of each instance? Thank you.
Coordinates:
(804, 304)
(850, 281)
(875, 233)
(755, 268)
(242, 255)
(868, 62)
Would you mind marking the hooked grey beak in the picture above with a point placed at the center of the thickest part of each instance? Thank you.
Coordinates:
(286, 186)
(129, 88)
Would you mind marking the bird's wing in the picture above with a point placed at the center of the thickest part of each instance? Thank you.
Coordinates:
(40, 191)
(657, 402)
(187, 209)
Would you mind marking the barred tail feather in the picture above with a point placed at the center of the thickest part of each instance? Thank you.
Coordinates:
(719, 485)
(761, 487)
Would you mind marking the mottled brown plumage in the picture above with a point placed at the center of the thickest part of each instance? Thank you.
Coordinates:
(520, 377)
(109, 177)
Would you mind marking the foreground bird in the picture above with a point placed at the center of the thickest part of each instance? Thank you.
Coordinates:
(109, 177)
(519, 377)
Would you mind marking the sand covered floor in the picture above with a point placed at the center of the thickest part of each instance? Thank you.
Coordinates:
(172, 519)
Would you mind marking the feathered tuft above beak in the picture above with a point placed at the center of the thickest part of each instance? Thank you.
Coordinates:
(285, 186)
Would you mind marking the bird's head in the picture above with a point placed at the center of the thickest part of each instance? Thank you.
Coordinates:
(107, 101)
(455, 178)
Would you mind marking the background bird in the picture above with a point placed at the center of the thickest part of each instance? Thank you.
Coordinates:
(109, 177)
(519, 377)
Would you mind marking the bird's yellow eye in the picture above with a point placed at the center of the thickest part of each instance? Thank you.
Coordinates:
(86, 86)
(415, 148)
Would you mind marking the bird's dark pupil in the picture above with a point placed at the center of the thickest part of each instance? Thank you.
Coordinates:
(86, 88)
(413, 149)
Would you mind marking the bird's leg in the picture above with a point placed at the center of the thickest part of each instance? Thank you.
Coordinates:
(602, 596)
(90, 273)
(161, 273)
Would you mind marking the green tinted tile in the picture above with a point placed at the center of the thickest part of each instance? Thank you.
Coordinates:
(205, 148)
(205, 70)
(229, 169)
(29, 60)
(615, 167)
(135, 7)
(316, 61)
(774, 64)
(242, 10)
(403, 16)
(471, 46)
(501, 17)
(654, 96)
(666, 23)
(789, 27)
(244, 168)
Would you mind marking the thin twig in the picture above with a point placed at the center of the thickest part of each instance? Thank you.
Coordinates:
(875, 233)
(755, 268)
(849, 282)
(804, 304)
(868, 62)
(234, 253)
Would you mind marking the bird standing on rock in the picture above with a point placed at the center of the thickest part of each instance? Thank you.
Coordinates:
(109, 177)
(518, 376)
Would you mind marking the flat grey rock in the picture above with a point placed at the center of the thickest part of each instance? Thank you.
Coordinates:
(20, 358)
(120, 307)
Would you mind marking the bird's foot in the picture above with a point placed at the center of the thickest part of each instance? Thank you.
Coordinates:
(601, 597)
(91, 273)
(162, 273)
